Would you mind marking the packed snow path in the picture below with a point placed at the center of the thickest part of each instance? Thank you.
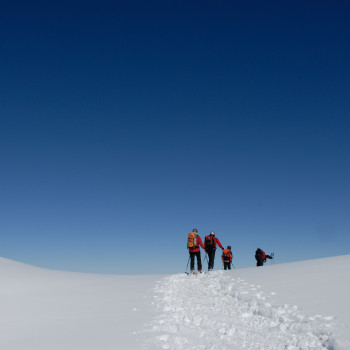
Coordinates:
(217, 311)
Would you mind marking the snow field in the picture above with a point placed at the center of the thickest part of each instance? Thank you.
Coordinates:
(54, 310)
(241, 309)
(217, 311)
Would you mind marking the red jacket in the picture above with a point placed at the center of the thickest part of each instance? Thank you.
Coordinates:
(216, 242)
(200, 243)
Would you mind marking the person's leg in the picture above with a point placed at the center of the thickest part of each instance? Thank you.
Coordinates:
(192, 255)
(213, 259)
(199, 261)
(211, 255)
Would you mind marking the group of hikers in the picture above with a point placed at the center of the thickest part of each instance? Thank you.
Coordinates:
(194, 243)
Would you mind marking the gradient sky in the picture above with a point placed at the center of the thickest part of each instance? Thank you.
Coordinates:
(124, 125)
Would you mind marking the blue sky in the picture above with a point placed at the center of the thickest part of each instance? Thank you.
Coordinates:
(125, 126)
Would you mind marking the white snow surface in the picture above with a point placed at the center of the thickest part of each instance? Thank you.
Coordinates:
(295, 306)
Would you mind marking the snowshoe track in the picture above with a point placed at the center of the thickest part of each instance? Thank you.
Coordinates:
(215, 311)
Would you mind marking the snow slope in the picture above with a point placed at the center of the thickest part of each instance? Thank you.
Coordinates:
(47, 310)
(301, 305)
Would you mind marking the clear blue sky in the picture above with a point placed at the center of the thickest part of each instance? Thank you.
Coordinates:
(124, 125)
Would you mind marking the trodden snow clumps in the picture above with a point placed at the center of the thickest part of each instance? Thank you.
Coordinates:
(217, 311)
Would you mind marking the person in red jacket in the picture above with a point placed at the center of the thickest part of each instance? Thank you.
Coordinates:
(210, 243)
(193, 245)
(261, 257)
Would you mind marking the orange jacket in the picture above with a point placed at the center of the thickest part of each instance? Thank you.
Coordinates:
(226, 254)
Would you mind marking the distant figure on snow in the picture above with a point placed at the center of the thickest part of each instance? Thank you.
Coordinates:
(227, 258)
(210, 243)
(261, 257)
(194, 243)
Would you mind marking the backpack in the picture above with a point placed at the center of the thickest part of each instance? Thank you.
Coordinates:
(226, 256)
(192, 241)
(260, 257)
(209, 242)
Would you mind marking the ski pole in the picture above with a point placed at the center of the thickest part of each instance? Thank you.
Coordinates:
(188, 261)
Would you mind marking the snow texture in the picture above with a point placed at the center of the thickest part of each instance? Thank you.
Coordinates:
(297, 306)
(216, 311)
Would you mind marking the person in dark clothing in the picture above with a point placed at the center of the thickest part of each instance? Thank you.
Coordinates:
(193, 244)
(210, 243)
(227, 258)
(261, 257)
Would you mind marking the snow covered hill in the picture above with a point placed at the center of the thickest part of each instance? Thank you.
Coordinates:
(48, 310)
(301, 305)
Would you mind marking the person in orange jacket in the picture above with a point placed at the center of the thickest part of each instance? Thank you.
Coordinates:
(210, 243)
(227, 258)
(193, 245)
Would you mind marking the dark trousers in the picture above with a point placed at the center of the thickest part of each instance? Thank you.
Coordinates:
(259, 260)
(211, 258)
(227, 265)
(199, 261)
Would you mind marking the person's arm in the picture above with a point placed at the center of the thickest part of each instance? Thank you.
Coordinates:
(199, 241)
(218, 243)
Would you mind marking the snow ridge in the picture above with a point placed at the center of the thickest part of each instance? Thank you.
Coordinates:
(217, 311)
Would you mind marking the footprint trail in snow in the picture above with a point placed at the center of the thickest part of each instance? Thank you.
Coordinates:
(217, 312)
